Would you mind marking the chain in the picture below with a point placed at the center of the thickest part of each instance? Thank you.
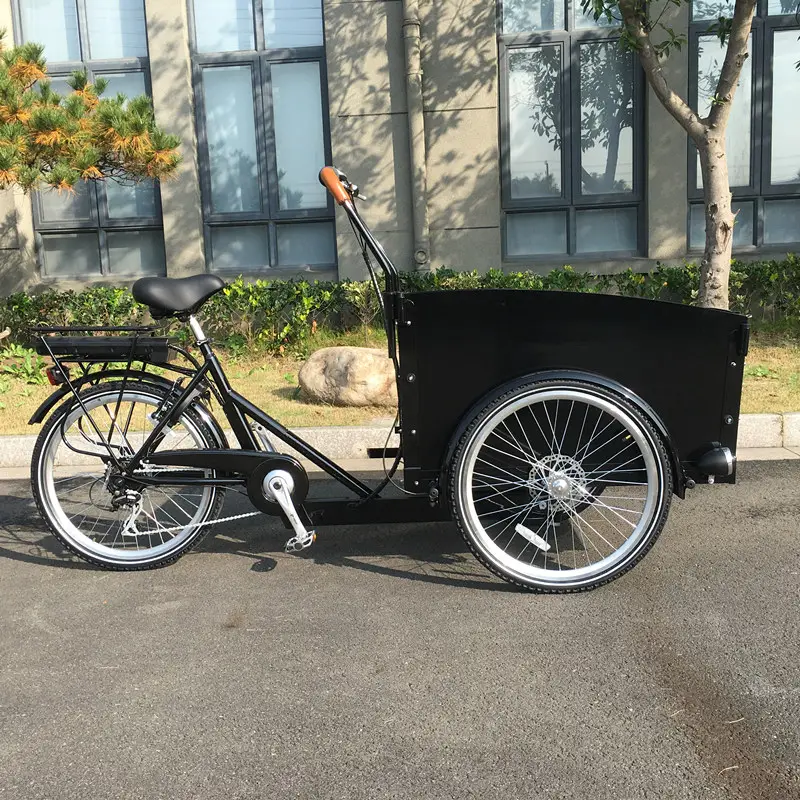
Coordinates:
(177, 528)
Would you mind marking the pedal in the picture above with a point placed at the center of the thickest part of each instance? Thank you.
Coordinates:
(279, 485)
(296, 543)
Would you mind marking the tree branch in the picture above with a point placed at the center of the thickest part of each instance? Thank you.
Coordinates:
(735, 56)
(635, 26)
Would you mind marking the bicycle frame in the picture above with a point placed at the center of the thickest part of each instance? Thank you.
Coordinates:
(236, 409)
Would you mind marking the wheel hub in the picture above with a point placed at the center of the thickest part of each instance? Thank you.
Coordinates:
(557, 479)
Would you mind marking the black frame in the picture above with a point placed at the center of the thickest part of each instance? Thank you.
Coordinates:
(571, 200)
(260, 61)
(99, 222)
(759, 190)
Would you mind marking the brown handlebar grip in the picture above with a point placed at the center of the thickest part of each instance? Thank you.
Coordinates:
(330, 180)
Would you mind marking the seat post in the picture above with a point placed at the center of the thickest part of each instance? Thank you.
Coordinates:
(197, 331)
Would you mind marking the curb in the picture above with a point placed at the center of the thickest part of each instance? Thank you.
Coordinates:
(343, 443)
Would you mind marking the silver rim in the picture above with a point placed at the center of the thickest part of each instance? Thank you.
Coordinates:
(560, 486)
(78, 503)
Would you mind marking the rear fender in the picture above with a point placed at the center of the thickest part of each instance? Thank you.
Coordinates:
(585, 377)
(64, 391)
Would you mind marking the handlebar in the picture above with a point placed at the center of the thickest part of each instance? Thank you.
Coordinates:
(330, 178)
(344, 192)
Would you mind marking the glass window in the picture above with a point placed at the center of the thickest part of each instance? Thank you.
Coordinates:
(785, 153)
(54, 24)
(601, 230)
(543, 233)
(293, 23)
(571, 105)
(231, 135)
(263, 134)
(585, 20)
(137, 252)
(534, 121)
(59, 85)
(299, 138)
(71, 254)
(111, 227)
(222, 26)
(131, 201)
(712, 9)
(781, 221)
(606, 96)
(66, 206)
(306, 243)
(762, 144)
(116, 29)
(131, 84)
(521, 16)
(240, 248)
(777, 7)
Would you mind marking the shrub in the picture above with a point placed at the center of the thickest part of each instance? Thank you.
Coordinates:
(281, 316)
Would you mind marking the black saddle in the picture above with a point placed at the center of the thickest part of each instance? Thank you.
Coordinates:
(176, 297)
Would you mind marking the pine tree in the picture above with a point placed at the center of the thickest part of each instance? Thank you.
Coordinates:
(50, 140)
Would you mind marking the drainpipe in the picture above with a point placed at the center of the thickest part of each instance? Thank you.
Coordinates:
(416, 134)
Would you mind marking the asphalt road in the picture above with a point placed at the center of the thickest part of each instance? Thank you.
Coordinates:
(387, 664)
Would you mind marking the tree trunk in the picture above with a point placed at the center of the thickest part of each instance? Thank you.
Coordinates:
(716, 264)
(612, 156)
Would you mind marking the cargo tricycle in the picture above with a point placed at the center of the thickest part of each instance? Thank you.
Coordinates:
(554, 428)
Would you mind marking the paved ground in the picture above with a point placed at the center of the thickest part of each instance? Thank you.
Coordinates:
(388, 664)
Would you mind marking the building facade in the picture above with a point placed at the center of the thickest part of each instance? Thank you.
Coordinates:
(514, 134)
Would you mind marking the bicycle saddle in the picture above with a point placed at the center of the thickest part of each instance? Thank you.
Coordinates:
(176, 297)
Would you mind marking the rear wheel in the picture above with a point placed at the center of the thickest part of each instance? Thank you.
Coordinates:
(528, 476)
(120, 524)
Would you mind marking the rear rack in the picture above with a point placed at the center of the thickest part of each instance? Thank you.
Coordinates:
(40, 329)
(141, 345)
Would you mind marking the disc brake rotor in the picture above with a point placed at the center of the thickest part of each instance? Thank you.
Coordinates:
(558, 480)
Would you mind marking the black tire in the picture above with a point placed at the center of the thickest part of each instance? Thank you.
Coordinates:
(90, 497)
(528, 473)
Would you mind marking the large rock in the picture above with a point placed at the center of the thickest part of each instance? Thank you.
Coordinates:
(349, 376)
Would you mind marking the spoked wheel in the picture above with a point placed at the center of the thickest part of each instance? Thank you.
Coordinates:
(110, 522)
(560, 486)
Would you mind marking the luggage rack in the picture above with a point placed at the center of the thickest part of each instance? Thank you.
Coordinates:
(88, 346)
(139, 345)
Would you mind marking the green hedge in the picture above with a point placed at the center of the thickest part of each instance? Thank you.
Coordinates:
(280, 316)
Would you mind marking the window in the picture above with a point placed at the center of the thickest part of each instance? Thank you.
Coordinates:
(105, 228)
(762, 143)
(263, 130)
(571, 134)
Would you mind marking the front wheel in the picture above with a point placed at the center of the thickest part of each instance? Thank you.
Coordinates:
(119, 524)
(560, 486)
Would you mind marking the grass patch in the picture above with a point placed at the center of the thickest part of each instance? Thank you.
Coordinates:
(772, 373)
(771, 384)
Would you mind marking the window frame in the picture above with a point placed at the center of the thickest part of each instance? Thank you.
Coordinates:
(572, 200)
(260, 61)
(760, 190)
(99, 221)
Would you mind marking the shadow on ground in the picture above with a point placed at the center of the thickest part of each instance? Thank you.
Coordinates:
(426, 552)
